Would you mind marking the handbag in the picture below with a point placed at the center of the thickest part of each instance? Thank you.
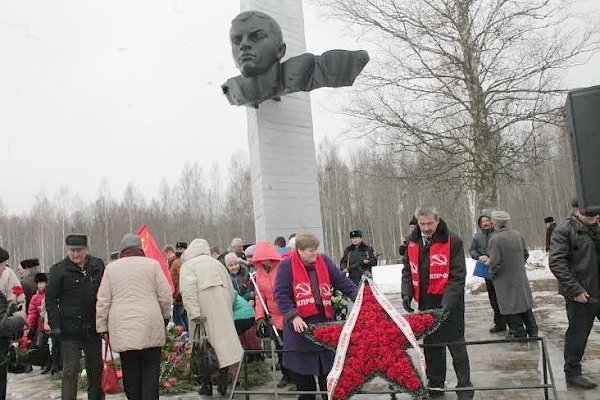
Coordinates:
(481, 270)
(110, 379)
(204, 362)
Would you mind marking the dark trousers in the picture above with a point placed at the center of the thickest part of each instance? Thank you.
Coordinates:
(581, 318)
(523, 324)
(287, 374)
(180, 317)
(499, 319)
(3, 381)
(306, 383)
(141, 370)
(71, 353)
(435, 360)
(56, 355)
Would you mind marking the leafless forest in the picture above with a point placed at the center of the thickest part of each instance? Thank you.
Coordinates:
(460, 107)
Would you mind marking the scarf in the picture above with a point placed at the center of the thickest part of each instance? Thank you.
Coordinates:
(302, 289)
(439, 267)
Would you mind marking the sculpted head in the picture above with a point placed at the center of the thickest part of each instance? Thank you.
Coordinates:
(256, 42)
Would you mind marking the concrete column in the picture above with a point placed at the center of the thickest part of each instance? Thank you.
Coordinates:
(283, 163)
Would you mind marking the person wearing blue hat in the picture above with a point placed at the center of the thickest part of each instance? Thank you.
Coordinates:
(358, 258)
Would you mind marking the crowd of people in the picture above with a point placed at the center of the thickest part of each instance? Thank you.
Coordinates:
(275, 289)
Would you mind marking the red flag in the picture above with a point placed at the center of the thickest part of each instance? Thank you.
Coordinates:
(151, 250)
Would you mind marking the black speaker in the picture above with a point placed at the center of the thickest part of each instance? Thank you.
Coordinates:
(583, 122)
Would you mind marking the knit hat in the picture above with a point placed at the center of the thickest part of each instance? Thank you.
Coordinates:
(500, 216)
(249, 252)
(131, 240)
(40, 277)
(548, 220)
(3, 255)
(237, 242)
(231, 257)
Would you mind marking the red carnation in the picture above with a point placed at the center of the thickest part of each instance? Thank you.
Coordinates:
(17, 290)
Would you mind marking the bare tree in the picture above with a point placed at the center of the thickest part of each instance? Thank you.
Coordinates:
(465, 90)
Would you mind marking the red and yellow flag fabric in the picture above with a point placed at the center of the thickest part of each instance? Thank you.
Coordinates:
(151, 250)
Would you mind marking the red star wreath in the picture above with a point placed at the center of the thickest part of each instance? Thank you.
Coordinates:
(377, 345)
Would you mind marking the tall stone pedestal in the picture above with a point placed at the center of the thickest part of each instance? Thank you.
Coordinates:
(283, 163)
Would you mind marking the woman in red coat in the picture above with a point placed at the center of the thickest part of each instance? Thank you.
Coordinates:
(266, 260)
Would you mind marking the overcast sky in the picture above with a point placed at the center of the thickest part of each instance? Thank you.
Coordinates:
(130, 90)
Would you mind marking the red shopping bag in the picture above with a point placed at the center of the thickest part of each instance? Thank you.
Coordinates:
(110, 379)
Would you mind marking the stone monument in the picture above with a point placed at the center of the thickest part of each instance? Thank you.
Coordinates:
(283, 163)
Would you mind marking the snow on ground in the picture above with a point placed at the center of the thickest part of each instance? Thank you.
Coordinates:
(389, 277)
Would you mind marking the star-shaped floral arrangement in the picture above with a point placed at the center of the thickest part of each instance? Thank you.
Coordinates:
(377, 345)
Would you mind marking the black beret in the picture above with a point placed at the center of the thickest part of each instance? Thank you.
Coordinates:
(356, 233)
(3, 255)
(181, 245)
(548, 219)
(40, 277)
(30, 263)
(76, 240)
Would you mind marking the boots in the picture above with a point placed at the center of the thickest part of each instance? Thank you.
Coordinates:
(222, 381)
(206, 388)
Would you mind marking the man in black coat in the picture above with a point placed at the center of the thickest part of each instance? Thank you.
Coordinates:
(11, 326)
(575, 261)
(479, 251)
(71, 305)
(434, 275)
(358, 257)
(550, 225)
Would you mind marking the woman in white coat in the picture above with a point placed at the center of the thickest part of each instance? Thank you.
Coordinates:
(208, 297)
(133, 307)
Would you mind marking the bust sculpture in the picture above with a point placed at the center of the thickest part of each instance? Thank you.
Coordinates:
(257, 47)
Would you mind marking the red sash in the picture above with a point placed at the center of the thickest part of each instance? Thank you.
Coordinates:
(439, 267)
(303, 295)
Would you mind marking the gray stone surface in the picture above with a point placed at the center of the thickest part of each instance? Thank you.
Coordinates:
(283, 163)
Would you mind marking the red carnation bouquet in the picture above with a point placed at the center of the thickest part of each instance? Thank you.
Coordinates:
(17, 290)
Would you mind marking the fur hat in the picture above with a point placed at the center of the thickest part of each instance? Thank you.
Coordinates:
(40, 277)
(548, 219)
(131, 240)
(3, 255)
(181, 245)
(30, 263)
(356, 233)
(230, 257)
(76, 241)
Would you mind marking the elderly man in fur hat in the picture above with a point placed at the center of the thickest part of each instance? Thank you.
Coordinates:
(508, 253)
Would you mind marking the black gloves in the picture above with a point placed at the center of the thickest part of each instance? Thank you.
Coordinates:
(406, 300)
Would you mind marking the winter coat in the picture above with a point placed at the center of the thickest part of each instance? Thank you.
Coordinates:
(479, 245)
(134, 299)
(10, 327)
(300, 354)
(265, 280)
(34, 320)
(574, 259)
(71, 297)
(8, 280)
(353, 261)
(174, 270)
(453, 298)
(508, 254)
(29, 287)
(242, 309)
(549, 231)
(207, 292)
(242, 283)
